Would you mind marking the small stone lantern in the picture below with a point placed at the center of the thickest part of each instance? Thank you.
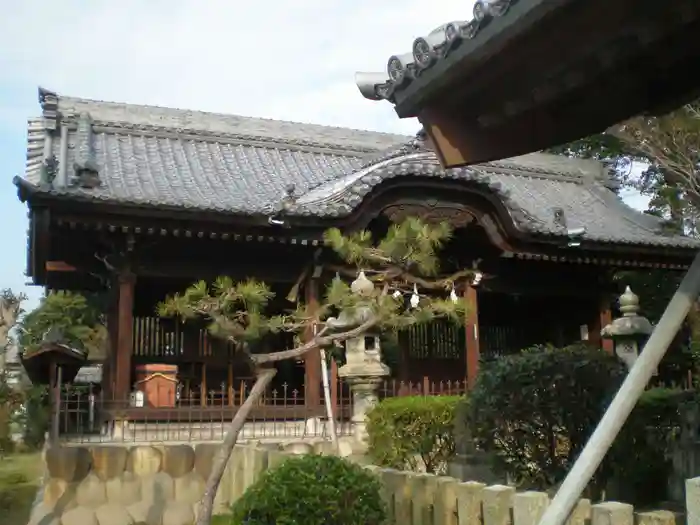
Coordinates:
(363, 368)
(630, 331)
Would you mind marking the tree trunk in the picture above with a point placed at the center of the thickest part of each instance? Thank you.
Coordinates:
(206, 506)
(264, 377)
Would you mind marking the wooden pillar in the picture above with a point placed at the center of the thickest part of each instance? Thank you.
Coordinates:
(108, 365)
(312, 360)
(125, 336)
(602, 318)
(471, 326)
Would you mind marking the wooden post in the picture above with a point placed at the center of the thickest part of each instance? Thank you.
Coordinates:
(56, 387)
(125, 336)
(312, 360)
(203, 386)
(603, 317)
(471, 327)
(109, 365)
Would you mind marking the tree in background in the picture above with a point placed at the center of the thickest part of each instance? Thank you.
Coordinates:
(77, 317)
(10, 396)
(386, 272)
(10, 311)
(667, 148)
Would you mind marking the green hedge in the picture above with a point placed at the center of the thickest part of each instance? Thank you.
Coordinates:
(640, 457)
(309, 490)
(535, 411)
(403, 431)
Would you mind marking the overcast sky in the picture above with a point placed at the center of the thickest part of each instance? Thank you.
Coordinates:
(281, 59)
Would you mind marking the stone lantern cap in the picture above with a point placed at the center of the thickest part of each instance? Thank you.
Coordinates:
(631, 324)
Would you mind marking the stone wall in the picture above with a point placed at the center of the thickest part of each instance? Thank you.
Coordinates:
(161, 485)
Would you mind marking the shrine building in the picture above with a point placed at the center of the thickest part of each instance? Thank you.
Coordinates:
(139, 202)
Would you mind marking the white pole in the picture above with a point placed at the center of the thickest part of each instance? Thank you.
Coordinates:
(327, 398)
(625, 399)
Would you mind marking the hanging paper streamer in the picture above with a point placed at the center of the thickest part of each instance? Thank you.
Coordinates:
(414, 298)
(453, 294)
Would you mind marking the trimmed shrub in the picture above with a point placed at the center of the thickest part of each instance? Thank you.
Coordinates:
(534, 412)
(404, 431)
(640, 457)
(308, 490)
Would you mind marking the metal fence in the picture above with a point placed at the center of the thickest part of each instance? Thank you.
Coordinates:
(89, 415)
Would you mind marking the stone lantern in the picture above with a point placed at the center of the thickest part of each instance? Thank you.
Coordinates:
(630, 331)
(363, 369)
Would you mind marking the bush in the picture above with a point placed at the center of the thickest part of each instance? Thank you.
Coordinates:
(534, 412)
(308, 490)
(640, 456)
(403, 429)
(35, 419)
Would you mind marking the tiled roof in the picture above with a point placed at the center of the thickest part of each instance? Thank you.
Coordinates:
(170, 157)
(531, 187)
(488, 18)
(182, 159)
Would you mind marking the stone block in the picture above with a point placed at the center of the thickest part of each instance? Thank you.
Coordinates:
(109, 462)
(469, 494)
(422, 488)
(112, 514)
(692, 501)
(157, 488)
(259, 462)
(581, 514)
(222, 499)
(144, 461)
(204, 455)
(178, 460)
(612, 513)
(445, 508)
(124, 490)
(189, 488)
(298, 448)
(389, 479)
(275, 458)
(528, 507)
(249, 466)
(236, 465)
(59, 494)
(323, 448)
(79, 516)
(496, 503)
(147, 512)
(70, 464)
(656, 517)
(91, 492)
(399, 481)
(178, 513)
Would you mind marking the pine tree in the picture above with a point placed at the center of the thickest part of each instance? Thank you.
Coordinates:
(397, 283)
(77, 317)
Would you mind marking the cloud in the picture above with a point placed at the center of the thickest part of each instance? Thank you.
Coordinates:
(215, 55)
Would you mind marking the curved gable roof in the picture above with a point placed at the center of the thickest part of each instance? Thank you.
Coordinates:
(170, 158)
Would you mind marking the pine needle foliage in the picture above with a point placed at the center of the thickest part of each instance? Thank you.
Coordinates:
(407, 257)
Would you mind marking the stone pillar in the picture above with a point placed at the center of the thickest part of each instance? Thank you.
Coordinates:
(364, 397)
(630, 331)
